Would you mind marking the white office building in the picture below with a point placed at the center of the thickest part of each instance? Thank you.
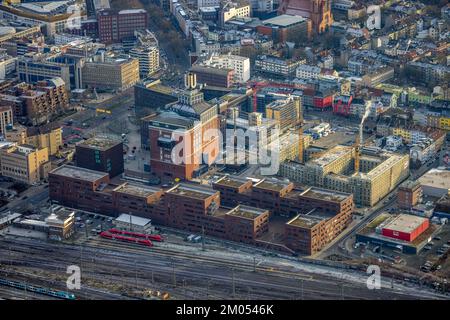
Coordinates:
(133, 223)
(240, 65)
(148, 60)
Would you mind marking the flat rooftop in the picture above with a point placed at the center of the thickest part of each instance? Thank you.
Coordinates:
(295, 193)
(410, 184)
(404, 223)
(137, 190)
(79, 173)
(324, 194)
(192, 191)
(437, 178)
(305, 221)
(231, 181)
(9, 218)
(210, 69)
(99, 143)
(284, 20)
(172, 119)
(60, 216)
(246, 212)
(383, 166)
(31, 222)
(126, 218)
(332, 155)
(278, 104)
(272, 184)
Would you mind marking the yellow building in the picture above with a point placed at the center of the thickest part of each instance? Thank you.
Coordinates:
(369, 188)
(405, 134)
(444, 123)
(50, 138)
(239, 9)
(24, 163)
(334, 169)
(286, 112)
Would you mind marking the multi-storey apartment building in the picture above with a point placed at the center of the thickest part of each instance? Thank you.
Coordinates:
(277, 66)
(335, 169)
(37, 104)
(230, 9)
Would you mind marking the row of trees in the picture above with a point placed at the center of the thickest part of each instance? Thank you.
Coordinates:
(171, 40)
(166, 31)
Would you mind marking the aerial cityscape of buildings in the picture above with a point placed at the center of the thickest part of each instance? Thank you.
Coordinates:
(278, 139)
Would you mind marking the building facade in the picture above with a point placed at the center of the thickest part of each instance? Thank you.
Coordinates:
(234, 209)
(111, 74)
(115, 26)
(101, 154)
(24, 163)
(184, 139)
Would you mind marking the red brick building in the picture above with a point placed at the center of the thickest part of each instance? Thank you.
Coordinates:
(115, 26)
(233, 209)
(186, 206)
(409, 194)
(328, 212)
(285, 28)
(184, 139)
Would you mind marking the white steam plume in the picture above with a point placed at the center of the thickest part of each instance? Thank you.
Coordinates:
(364, 117)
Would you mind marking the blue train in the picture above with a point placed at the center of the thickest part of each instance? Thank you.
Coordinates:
(39, 290)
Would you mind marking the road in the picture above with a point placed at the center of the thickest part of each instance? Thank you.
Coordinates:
(35, 196)
(109, 268)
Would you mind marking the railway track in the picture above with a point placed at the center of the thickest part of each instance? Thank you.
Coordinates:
(265, 287)
(113, 262)
(176, 254)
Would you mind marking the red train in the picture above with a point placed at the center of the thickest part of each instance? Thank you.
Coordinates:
(154, 237)
(108, 235)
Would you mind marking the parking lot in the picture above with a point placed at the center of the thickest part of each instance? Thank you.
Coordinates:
(89, 224)
(434, 256)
